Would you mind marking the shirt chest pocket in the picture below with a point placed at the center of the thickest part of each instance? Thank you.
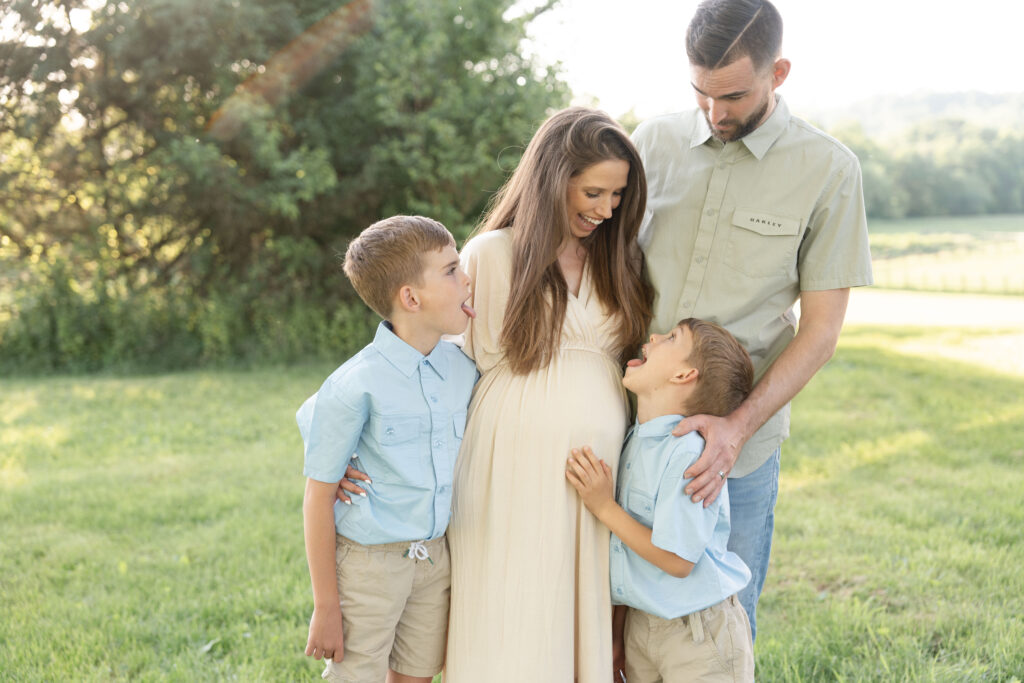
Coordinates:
(762, 245)
(459, 427)
(404, 455)
(640, 506)
(459, 424)
(395, 431)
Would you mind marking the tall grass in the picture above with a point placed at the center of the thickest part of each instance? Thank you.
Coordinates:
(55, 321)
(981, 255)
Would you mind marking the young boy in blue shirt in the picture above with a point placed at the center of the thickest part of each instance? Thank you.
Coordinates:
(379, 566)
(673, 583)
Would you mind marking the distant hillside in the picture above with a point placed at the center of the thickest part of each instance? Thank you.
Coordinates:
(883, 116)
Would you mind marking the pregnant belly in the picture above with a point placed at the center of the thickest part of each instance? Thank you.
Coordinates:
(518, 436)
(577, 400)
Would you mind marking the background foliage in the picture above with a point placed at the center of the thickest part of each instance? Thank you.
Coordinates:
(180, 175)
(947, 167)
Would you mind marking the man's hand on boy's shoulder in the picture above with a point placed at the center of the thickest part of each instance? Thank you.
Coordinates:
(326, 640)
(722, 445)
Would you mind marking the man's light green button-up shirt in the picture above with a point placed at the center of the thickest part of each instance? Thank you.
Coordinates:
(735, 231)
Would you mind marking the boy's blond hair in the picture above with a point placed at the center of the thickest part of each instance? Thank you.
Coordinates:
(726, 372)
(389, 254)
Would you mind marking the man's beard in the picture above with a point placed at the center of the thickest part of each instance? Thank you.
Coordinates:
(745, 128)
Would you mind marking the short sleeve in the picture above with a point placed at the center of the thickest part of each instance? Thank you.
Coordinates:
(835, 253)
(330, 427)
(680, 525)
(487, 259)
(640, 137)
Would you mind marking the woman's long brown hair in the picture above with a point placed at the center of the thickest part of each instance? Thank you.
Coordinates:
(533, 205)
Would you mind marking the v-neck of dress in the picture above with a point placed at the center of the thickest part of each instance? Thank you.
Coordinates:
(584, 284)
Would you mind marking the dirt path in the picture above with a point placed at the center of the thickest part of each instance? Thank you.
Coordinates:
(999, 344)
(872, 306)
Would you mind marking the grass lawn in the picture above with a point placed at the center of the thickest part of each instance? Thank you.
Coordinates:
(979, 254)
(150, 527)
(1010, 222)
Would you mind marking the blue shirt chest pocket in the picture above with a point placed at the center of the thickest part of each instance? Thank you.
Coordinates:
(458, 431)
(640, 506)
(404, 452)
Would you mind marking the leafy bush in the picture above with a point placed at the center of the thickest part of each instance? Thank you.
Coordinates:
(57, 325)
(181, 200)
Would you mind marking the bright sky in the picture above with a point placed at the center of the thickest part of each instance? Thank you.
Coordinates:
(631, 55)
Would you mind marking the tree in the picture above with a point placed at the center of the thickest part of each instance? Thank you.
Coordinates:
(942, 167)
(203, 148)
(882, 198)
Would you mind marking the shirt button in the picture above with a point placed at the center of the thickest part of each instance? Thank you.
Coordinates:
(629, 465)
(710, 212)
(426, 362)
(437, 444)
(699, 259)
(687, 304)
(433, 399)
(390, 431)
(723, 166)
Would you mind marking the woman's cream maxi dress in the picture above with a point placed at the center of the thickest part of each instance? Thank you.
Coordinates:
(530, 593)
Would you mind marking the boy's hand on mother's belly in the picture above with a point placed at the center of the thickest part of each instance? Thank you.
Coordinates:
(592, 479)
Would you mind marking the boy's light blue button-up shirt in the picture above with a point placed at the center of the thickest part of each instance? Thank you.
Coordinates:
(402, 415)
(650, 488)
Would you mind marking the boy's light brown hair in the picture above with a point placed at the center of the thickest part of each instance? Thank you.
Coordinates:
(389, 254)
(726, 372)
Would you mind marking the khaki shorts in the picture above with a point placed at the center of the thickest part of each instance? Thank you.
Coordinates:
(711, 645)
(394, 610)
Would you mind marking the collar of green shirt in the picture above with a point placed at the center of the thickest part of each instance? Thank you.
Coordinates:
(760, 140)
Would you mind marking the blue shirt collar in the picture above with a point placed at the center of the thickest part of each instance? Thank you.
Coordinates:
(760, 140)
(404, 357)
(658, 427)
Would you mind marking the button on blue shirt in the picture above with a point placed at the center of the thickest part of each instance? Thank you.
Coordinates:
(650, 488)
(402, 414)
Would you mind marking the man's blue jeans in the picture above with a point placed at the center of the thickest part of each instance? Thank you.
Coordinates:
(752, 515)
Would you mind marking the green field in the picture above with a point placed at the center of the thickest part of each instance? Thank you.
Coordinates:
(150, 527)
(978, 254)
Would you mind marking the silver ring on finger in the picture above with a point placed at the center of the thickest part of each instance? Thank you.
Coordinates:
(721, 474)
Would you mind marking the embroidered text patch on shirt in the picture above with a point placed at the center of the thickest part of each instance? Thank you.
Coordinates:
(764, 223)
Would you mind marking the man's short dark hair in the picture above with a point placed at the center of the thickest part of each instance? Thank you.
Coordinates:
(723, 31)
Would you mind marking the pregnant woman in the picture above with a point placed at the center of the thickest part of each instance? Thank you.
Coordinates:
(561, 305)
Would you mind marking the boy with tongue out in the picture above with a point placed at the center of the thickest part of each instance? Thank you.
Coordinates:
(379, 566)
(673, 582)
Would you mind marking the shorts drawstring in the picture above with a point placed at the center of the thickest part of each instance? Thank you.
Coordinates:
(418, 551)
